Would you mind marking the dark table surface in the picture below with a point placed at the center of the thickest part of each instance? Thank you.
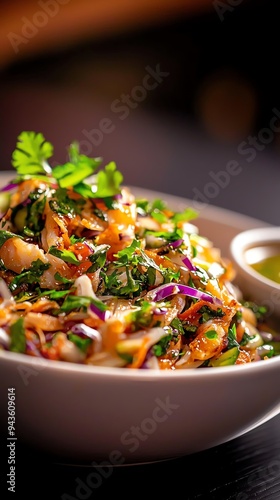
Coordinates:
(247, 467)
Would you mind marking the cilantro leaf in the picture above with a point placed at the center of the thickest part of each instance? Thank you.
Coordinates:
(55, 294)
(79, 168)
(98, 258)
(177, 326)
(71, 174)
(81, 302)
(31, 275)
(246, 338)
(30, 160)
(158, 204)
(126, 255)
(232, 342)
(159, 216)
(143, 317)
(65, 255)
(169, 236)
(62, 204)
(75, 239)
(82, 344)
(62, 279)
(145, 207)
(84, 190)
(161, 347)
(31, 154)
(28, 219)
(188, 214)
(132, 285)
(207, 313)
(6, 235)
(108, 181)
(75, 302)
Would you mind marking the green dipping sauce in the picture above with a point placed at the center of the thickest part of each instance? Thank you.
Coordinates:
(269, 267)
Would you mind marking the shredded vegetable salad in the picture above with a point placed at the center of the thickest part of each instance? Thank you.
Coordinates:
(89, 274)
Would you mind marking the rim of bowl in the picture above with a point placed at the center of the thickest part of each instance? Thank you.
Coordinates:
(17, 359)
(249, 239)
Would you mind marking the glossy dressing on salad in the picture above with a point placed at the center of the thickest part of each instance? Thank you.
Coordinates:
(90, 274)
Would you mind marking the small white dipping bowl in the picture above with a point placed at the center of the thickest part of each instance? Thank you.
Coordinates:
(247, 248)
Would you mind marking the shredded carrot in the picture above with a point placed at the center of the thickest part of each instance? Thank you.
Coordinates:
(139, 358)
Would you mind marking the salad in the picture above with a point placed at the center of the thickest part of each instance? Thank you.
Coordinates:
(89, 274)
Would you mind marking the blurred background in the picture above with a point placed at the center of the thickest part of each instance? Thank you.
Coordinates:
(182, 94)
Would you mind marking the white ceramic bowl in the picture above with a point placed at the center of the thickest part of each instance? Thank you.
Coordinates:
(85, 413)
(248, 247)
(92, 414)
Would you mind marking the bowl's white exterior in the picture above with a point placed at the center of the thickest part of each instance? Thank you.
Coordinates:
(93, 414)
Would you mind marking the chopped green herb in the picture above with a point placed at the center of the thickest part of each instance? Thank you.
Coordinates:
(98, 258)
(246, 338)
(75, 302)
(65, 255)
(31, 275)
(82, 344)
(80, 302)
(6, 235)
(62, 204)
(208, 313)
(185, 216)
(232, 342)
(211, 334)
(79, 168)
(178, 326)
(17, 333)
(62, 279)
(161, 347)
(143, 317)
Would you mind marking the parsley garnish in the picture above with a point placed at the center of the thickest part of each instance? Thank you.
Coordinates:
(79, 168)
(108, 181)
(31, 154)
